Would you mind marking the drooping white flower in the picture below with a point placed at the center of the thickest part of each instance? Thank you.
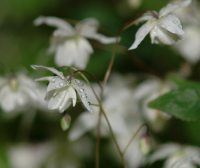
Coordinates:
(177, 156)
(62, 91)
(124, 117)
(164, 26)
(146, 92)
(18, 93)
(71, 44)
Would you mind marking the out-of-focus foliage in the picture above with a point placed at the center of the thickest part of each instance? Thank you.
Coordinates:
(23, 44)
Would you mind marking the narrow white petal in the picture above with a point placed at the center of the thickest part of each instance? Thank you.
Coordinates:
(145, 17)
(46, 78)
(72, 95)
(55, 22)
(171, 7)
(102, 39)
(172, 24)
(51, 69)
(164, 151)
(141, 34)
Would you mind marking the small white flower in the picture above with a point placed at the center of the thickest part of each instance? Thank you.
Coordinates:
(71, 44)
(177, 156)
(18, 92)
(62, 91)
(164, 26)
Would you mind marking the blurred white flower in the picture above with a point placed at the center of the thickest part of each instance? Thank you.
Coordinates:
(147, 91)
(164, 26)
(177, 156)
(28, 156)
(18, 93)
(62, 91)
(124, 117)
(48, 154)
(189, 45)
(71, 44)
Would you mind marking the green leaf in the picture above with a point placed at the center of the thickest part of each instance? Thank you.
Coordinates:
(183, 102)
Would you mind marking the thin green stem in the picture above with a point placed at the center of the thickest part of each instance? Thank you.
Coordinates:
(132, 138)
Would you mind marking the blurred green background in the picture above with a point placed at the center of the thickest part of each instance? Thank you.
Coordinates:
(23, 44)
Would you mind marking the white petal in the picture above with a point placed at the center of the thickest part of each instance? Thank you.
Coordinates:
(141, 34)
(55, 22)
(56, 102)
(84, 123)
(46, 78)
(161, 35)
(51, 69)
(74, 52)
(102, 39)
(171, 7)
(6, 100)
(80, 89)
(72, 95)
(84, 50)
(145, 17)
(172, 24)
(164, 151)
(87, 26)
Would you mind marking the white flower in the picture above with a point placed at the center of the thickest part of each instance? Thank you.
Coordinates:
(71, 44)
(146, 92)
(62, 91)
(124, 117)
(177, 156)
(18, 92)
(164, 27)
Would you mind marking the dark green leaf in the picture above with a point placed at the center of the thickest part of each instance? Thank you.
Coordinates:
(183, 103)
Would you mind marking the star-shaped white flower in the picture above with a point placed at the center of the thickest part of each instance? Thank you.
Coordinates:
(62, 91)
(164, 26)
(18, 92)
(71, 44)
